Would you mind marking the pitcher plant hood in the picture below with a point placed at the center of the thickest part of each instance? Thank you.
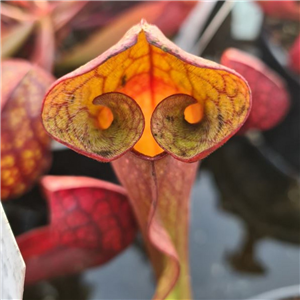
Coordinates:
(142, 86)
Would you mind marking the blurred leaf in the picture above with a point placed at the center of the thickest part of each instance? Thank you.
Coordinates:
(294, 56)
(48, 16)
(44, 48)
(13, 12)
(15, 38)
(91, 222)
(288, 9)
(167, 15)
(25, 146)
(270, 98)
(22, 3)
(65, 11)
(12, 263)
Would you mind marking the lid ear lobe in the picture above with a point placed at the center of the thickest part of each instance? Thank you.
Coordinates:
(83, 134)
(126, 128)
(170, 129)
(183, 140)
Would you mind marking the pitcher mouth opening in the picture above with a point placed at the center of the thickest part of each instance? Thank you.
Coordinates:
(147, 146)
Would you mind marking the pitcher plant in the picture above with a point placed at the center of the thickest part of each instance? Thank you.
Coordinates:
(154, 111)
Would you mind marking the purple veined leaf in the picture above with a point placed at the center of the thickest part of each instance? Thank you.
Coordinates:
(25, 145)
(90, 223)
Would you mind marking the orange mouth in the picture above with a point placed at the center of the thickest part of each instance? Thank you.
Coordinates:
(147, 80)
